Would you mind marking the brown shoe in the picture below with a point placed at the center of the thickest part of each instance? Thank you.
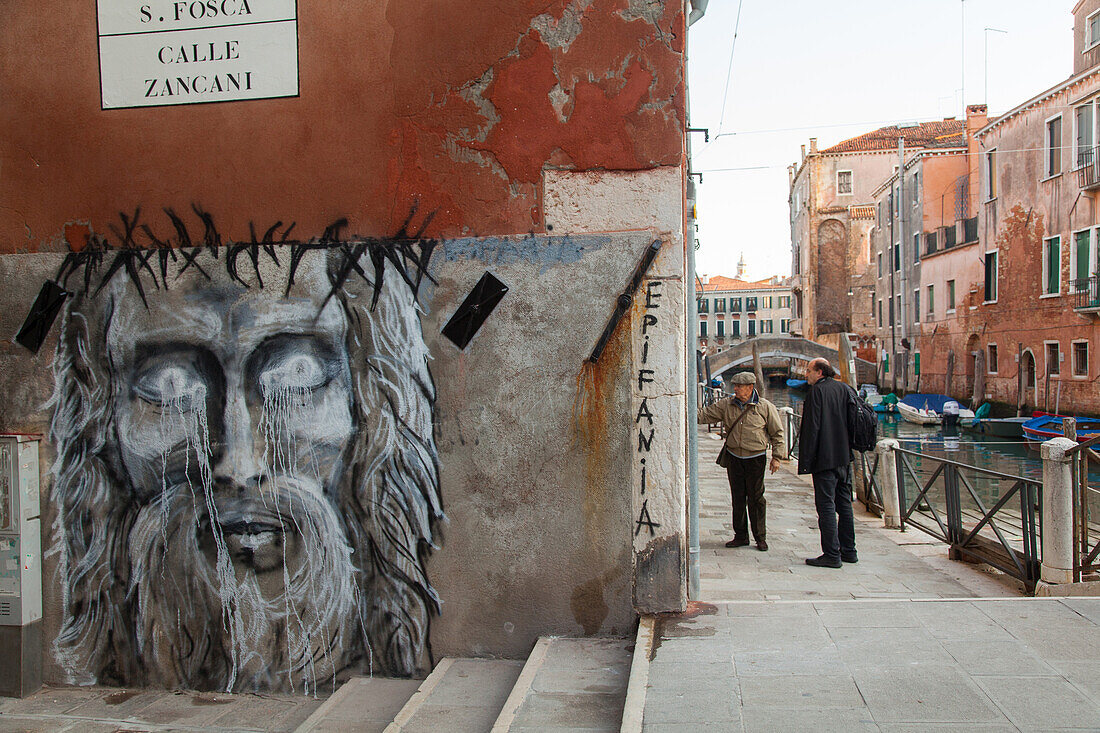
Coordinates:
(762, 546)
(737, 542)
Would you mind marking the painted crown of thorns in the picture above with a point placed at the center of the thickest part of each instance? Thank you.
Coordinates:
(94, 265)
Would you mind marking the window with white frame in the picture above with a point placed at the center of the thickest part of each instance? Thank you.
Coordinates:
(720, 327)
(1080, 358)
(916, 305)
(1085, 124)
(1054, 146)
(1053, 357)
(991, 358)
(702, 329)
(990, 277)
(784, 325)
(950, 296)
(1092, 29)
(1052, 266)
(1082, 259)
(931, 297)
(843, 182)
(991, 175)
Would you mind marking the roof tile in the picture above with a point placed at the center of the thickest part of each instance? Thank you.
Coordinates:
(720, 282)
(950, 133)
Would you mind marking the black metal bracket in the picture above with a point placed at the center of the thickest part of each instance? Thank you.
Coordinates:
(704, 130)
(698, 173)
(626, 298)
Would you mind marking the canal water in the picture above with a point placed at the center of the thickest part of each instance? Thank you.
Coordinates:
(992, 453)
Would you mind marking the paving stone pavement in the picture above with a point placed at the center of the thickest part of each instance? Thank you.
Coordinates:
(96, 709)
(904, 640)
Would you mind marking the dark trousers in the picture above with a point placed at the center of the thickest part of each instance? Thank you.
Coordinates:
(746, 477)
(833, 497)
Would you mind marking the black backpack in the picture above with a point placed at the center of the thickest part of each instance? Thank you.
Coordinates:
(862, 423)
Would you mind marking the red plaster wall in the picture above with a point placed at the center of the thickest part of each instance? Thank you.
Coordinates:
(444, 103)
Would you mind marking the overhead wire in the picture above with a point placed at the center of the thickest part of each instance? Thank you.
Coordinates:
(729, 68)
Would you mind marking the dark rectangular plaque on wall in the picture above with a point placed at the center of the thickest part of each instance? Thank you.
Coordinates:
(477, 306)
(43, 313)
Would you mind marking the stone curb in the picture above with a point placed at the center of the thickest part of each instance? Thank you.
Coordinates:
(334, 700)
(422, 693)
(523, 685)
(634, 707)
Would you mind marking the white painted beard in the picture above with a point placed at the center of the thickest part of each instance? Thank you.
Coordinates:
(242, 594)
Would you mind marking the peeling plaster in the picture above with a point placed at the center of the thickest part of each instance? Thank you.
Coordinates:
(651, 11)
(474, 93)
(560, 33)
(559, 98)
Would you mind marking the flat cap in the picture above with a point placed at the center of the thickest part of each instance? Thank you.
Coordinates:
(744, 378)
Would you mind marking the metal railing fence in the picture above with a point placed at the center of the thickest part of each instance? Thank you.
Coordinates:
(947, 506)
(1086, 521)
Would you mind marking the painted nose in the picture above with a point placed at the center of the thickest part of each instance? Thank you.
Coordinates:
(238, 465)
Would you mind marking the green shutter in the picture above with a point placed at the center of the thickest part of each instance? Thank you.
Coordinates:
(1054, 263)
(1082, 253)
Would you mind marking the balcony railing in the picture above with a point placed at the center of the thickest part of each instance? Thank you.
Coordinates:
(1088, 174)
(1087, 293)
(970, 229)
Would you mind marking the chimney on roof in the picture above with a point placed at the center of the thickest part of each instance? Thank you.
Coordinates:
(813, 145)
(977, 115)
(803, 153)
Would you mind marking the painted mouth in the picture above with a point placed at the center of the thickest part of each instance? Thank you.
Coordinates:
(254, 537)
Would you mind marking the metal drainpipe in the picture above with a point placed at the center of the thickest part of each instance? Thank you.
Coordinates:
(698, 8)
(692, 428)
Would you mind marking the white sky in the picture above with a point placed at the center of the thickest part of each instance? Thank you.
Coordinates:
(834, 70)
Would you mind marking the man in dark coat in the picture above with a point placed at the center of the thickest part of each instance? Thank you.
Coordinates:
(823, 451)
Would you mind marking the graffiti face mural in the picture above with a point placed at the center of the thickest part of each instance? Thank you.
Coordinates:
(246, 477)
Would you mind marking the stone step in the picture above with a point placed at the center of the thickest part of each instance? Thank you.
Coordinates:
(365, 704)
(569, 684)
(459, 696)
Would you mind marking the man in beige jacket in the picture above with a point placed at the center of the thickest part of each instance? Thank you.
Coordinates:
(751, 423)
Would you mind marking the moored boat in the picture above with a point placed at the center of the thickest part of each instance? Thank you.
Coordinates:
(927, 409)
(1000, 427)
(1042, 428)
(798, 384)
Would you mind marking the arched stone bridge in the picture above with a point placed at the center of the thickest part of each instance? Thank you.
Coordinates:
(782, 348)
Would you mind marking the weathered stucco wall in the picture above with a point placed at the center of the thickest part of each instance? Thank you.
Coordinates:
(459, 106)
(534, 457)
(266, 418)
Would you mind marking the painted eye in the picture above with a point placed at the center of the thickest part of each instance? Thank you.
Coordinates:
(172, 386)
(299, 372)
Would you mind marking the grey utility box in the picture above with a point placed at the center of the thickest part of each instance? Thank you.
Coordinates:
(20, 567)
